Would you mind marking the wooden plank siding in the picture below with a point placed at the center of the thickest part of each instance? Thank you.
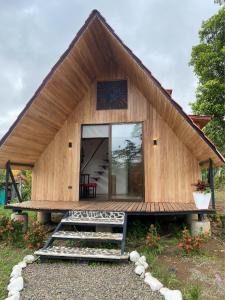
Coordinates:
(69, 82)
(169, 168)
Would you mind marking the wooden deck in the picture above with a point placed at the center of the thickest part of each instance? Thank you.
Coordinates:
(135, 208)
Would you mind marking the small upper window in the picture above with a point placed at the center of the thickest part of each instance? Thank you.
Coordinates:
(112, 94)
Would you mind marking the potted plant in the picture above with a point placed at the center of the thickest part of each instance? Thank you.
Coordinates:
(202, 195)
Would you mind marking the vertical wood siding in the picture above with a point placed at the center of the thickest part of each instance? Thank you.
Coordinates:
(170, 168)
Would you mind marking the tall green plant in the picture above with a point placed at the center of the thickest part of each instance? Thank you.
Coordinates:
(2, 179)
(208, 61)
(26, 188)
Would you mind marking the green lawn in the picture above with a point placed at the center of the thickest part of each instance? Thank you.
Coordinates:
(9, 256)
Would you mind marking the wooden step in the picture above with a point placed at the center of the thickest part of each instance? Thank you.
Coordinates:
(94, 218)
(92, 236)
(95, 178)
(82, 253)
(103, 166)
(100, 172)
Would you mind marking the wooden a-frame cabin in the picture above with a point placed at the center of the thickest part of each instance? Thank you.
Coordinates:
(101, 133)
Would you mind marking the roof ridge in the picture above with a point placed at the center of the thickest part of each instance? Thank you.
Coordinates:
(168, 96)
(95, 13)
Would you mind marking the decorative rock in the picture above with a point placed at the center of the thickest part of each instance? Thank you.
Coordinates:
(142, 262)
(139, 270)
(15, 286)
(134, 256)
(15, 296)
(153, 282)
(13, 278)
(29, 259)
(16, 272)
(16, 267)
(171, 294)
(22, 264)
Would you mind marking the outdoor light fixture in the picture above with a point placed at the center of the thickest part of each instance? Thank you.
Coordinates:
(155, 142)
(70, 144)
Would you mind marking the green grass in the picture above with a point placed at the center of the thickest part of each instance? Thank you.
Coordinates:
(9, 256)
(7, 212)
(192, 292)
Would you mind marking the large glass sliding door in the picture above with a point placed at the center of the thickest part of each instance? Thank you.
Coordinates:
(111, 157)
(126, 161)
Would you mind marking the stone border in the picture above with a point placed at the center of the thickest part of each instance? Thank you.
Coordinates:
(16, 283)
(140, 269)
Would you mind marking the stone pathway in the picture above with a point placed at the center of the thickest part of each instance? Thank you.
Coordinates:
(83, 281)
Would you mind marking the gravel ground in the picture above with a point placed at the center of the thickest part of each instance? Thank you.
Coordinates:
(65, 280)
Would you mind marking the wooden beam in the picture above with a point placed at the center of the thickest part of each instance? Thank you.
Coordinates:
(211, 182)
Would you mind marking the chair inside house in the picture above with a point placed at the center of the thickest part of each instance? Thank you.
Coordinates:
(87, 188)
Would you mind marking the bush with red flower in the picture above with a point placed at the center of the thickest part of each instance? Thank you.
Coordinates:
(192, 244)
(11, 231)
(152, 239)
(35, 236)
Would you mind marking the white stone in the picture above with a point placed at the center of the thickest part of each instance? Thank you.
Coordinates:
(153, 282)
(139, 270)
(16, 272)
(29, 259)
(15, 296)
(17, 267)
(15, 286)
(142, 262)
(13, 278)
(171, 294)
(134, 256)
(22, 264)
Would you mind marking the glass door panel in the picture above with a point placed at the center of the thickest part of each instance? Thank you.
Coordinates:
(126, 161)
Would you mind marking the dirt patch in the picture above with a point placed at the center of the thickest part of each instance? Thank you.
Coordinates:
(206, 270)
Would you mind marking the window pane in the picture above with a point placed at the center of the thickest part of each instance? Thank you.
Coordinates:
(127, 168)
(95, 131)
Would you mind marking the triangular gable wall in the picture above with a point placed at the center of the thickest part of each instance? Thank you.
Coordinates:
(169, 168)
(46, 112)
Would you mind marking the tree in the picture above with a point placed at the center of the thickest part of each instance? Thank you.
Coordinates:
(208, 61)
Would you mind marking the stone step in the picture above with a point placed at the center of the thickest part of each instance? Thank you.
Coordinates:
(93, 236)
(82, 253)
(94, 218)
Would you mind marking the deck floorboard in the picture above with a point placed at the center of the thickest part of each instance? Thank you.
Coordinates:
(128, 206)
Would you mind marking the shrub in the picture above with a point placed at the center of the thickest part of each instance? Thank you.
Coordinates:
(192, 292)
(152, 239)
(192, 244)
(10, 230)
(35, 236)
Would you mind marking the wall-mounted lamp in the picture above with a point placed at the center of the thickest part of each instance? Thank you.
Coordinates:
(155, 142)
(70, 144)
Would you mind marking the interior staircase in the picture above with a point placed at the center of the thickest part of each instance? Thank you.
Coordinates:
(87, 220)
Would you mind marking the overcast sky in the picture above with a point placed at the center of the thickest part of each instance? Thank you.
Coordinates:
(33, 34)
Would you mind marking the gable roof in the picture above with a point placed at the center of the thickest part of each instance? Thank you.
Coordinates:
(201, 120)
(45, 113)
